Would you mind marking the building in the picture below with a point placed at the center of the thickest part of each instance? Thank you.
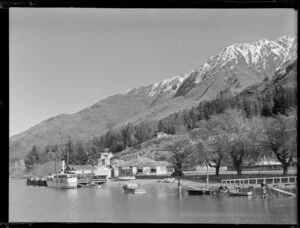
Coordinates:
(115, 164)
(160, 134)
(144, 166)
(105, 158)
(81, 169)
(85, 171)
(103, 171)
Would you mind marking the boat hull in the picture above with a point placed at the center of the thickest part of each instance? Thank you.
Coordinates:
(67, 185)
(240, 193)
(133, 189)
(199, 192)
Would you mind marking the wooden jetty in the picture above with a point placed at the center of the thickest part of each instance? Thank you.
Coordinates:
(36, 181)
(282, 191)
(282, 182)
(98, 180)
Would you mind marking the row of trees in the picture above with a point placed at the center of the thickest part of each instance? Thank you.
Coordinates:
(231, 137)
(74, 153)
(274, 101)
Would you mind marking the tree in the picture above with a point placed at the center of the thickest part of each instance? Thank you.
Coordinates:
(180, 154)
(142, 132)
(238, 128)
(201, 151)
(267, 104)
(219, 146)
(32, 158)
(69, 153)
(93, 155)
(81, 154)
(237, 152)
(281, 101)
(279, 136)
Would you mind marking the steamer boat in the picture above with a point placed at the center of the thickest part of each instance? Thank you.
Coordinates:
(62, 179)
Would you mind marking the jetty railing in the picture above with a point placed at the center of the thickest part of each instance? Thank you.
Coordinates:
(291, 180)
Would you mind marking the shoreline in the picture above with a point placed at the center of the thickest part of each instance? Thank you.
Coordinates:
(184, 183)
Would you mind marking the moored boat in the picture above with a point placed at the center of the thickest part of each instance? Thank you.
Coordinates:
(200, 191)
(62, 180)
(89, 185)
(230, 193)
(133, 188)
(167, 180)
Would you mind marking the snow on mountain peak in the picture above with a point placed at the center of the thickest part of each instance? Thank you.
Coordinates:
(254, 54)
(286, 38)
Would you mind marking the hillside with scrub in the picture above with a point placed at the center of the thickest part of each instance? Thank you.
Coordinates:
(258, 120)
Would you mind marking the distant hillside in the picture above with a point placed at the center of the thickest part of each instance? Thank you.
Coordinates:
(233, 70)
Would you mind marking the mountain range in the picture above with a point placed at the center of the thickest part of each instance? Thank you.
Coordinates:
(235, 69)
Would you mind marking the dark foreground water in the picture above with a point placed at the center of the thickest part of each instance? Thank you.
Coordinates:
(160, 204)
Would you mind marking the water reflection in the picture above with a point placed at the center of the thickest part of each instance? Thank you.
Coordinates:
(160, 203)
(71, 193)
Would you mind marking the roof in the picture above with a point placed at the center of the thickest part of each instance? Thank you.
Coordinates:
(144, 162)
(82, 167)
(117, 162)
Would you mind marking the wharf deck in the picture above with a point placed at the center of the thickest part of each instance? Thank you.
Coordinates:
(280, 182)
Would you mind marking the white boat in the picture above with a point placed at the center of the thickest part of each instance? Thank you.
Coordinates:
(62, 180)
(170, 180)
(133, 188)
(167, 180)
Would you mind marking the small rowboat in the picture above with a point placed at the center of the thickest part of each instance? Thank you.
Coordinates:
(133, 188)
(89, 185)
(167, 180)
(200, 191)
(240, 193)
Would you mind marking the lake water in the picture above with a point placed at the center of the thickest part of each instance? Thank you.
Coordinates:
(160, 204)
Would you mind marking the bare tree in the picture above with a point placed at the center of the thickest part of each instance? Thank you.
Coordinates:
(202, 153)
(217, 142)
(180, 153)
(238, 128)
(275, 135)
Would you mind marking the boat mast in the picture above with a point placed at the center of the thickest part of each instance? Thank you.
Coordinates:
(55, 163)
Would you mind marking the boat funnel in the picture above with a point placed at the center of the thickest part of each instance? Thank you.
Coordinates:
(63, 165)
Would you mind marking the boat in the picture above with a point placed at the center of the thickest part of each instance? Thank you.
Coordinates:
(63, 179)
(167, 180)
(126, 178)
(239, 193)
(89, 185)
(133, 188)
(222, 189)
(200, 191)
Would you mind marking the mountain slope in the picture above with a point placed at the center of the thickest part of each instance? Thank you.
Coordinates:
(233, 69)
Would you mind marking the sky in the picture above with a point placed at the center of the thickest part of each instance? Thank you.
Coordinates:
(63, 60)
